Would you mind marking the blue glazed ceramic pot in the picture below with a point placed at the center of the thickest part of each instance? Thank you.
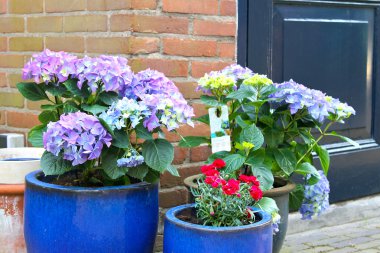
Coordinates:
(80, 219)
(185, 237)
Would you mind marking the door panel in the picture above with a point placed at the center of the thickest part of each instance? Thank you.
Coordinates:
(332, 46)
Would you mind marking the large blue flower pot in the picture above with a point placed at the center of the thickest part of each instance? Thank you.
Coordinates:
(78, 219)
(184, 237)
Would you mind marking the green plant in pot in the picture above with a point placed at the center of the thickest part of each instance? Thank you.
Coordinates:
(274, 130)
(102, 128)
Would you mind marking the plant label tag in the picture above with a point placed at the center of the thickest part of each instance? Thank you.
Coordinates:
(220, 129)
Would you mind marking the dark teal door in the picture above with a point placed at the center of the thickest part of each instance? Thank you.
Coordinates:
(333, 46)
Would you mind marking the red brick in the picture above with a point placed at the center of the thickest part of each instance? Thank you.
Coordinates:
(11, 61)
(198, 69)
(2, 118)
(226, 50)
(149, 24)
(199, 129)
(173, 68)
(85, 23)
(68, 44)
(228, 8)
(191, 6)
(65, 6)
(123, 45)
(26, 44)
(45, 24)
(3, 80)
(186, 47)
(104, 5)
(25, 6)
(167, 180)
(180, 155)
(14, 79)
(200, 154)
(172, 198)
(3, 44)
(144, 4)
(214, 28)
(11, 24)
(3, 6)
(188, 89)
(199, 109)
(22, 119)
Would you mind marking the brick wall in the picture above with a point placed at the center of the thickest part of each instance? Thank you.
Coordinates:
(182, 38)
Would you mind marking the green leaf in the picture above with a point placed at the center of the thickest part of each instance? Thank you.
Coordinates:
(173, 170)
(152, 176)
(72, 86)
(267, 120)
(108, 97)
(241, 122)
(324, 158)
(268, 205)
(109, 164)
(35, 135)
(193, 141)
(273, 137)
(142, 132)
(54, 165)
(308, 169)
(51, 107)
(220, 154)
(204, 119)
(69, 107)
(120, 139)
(138, 172)
(352, 142)
(253, 135)
(56, 90)
(244, 91)
(32, 91)
(285, 159)
(296, 198)
(261, 168)
(94, 109)
(47, 116)
(158, 154)
(233, 162)
(210, 101)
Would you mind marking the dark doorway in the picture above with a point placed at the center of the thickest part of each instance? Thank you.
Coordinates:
(333, 46)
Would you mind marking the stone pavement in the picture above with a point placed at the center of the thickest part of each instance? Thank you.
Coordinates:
(360, 235)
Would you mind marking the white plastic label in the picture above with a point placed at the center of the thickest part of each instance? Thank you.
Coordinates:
(219, 126)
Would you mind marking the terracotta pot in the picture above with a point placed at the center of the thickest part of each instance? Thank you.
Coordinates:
(280, 194)
(15, 163)
(11, 218)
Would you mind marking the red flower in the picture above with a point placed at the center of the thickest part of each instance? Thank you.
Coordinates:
(249, 180)
(209, 170)
(256, 192)
(214, 181)
(231, 187)
(219, 163)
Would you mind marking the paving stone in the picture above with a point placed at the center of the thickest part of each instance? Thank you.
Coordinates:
(370, 251)
(318, 249)
(328, 241)
(351, 242)
(368, 245)
(344, 250)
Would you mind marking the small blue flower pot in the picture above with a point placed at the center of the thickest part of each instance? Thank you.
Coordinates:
(184, 237)
(80, 219)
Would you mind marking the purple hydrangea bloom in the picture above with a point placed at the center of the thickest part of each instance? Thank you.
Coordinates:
(316, 198)
(111, 71)
(79, 136)
(49, 66)
(166, 104)
(131, 159)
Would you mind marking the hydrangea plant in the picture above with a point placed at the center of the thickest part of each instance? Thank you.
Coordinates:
(222, 199)
(275, 130)
(101, 120)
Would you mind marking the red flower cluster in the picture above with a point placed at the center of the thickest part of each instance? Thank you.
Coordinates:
(232, 186)
(255, 191)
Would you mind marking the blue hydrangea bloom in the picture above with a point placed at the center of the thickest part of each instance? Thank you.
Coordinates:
(316, 198)
(131, 159)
